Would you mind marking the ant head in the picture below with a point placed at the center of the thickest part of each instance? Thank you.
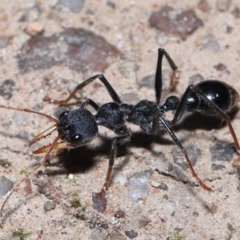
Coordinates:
(77, 127)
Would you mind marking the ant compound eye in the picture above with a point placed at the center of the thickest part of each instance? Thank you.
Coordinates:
(63, 114)
(76, 139)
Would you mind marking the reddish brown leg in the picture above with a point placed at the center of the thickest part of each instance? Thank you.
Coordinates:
(99, 199)
(101, 77)
(184, 151)
(233, 134)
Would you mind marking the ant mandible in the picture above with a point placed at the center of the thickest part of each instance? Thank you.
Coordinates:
(80, 126)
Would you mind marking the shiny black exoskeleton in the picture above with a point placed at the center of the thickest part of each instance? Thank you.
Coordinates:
(211, 97)
(221, 94)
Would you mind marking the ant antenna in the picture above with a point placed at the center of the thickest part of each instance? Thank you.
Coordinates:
(40, 163)
(31, 111)
(47, 149)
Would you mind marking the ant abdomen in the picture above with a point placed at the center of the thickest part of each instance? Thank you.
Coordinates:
(221, 94)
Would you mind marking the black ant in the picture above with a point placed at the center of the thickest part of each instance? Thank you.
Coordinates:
(80, 126)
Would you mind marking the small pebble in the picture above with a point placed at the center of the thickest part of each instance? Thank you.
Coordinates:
(204, 6)
(32, 14)
(223, 5)
(111, 4)
(131, 234)
(236, 12)
(23, 135)
(178, 22)
(164, 167)
(116, 235)
(20, 118)
(222, 152)
(210, 43)
(147, 81)
(231, 227)
(138, 186)
(97, 223)
(99, 203)
(71, 176)
(80, 213)
(178, 229)
(95, 234)
(34, 28)
(161, 39)
(221, 68)
(73, 5)
(5, 186)
(171, 207)
(213, 208)
(119, 214)
(119, 179)
(5, 163)
(195, 214)
(155, 184)
(4, 41)
(216, 167)
(49, 205)
(236, 163)
(7, 88)
(161, 186)
(138, 221)
(114, 220)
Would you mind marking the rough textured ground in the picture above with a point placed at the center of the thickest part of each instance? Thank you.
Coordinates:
(171, 210)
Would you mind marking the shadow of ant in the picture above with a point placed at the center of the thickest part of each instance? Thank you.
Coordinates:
(197, 120)
(82, 159)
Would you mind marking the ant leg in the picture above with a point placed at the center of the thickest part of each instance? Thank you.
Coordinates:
(116, 141)
(101, 77)
(184, 151)
(182, 108)
(91, 102)
(158, 76)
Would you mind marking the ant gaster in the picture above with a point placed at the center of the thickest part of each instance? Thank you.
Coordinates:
(80, 126)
